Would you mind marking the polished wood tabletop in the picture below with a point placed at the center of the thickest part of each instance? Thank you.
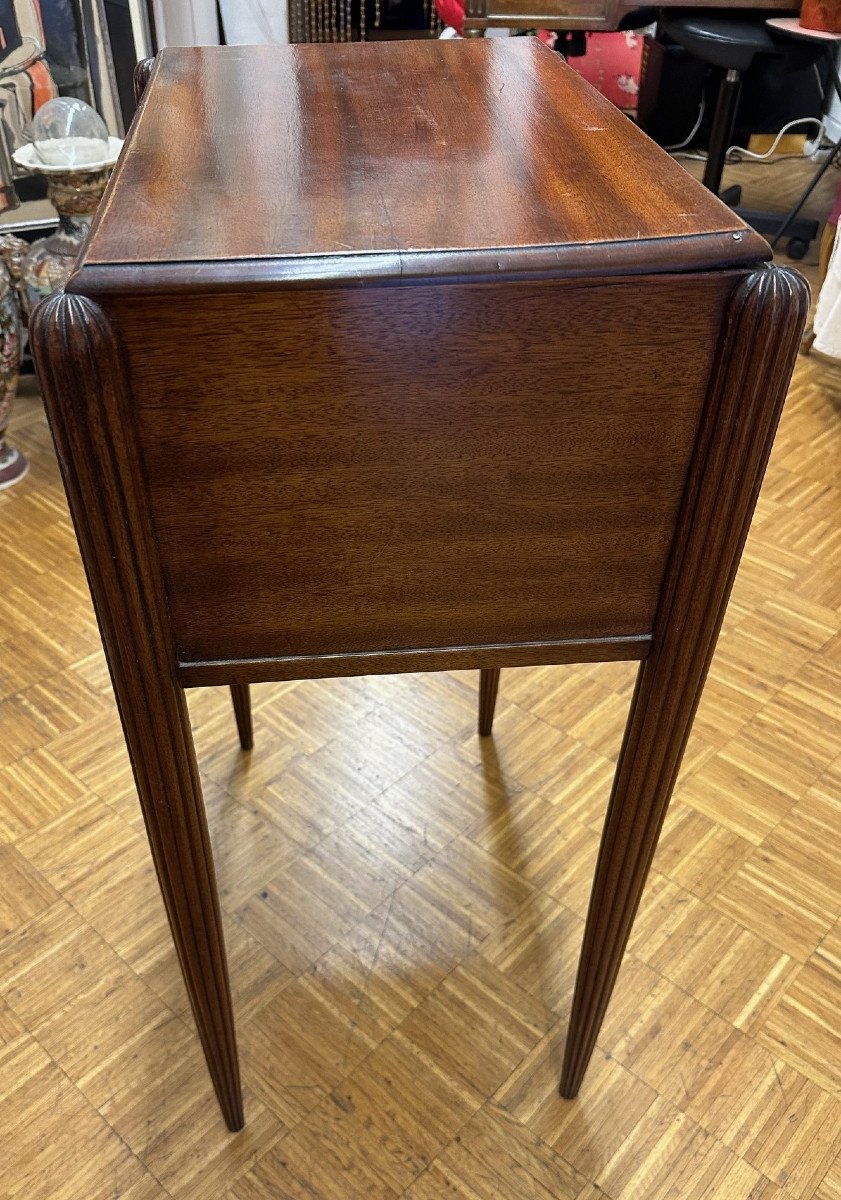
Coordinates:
(407, 357)
(377, 159)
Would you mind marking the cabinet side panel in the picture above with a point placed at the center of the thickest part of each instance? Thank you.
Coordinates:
(388, 468)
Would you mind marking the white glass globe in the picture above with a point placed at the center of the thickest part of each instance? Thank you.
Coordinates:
(66, 132)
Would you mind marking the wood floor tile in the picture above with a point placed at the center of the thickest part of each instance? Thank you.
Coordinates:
(830, 1186)
(789, 1129)
(30, 657)
(696, 852)
(494, 1155)
(25, 892)
(804, 1029)
(539, 842)
(588, 1131)
(33, 791)
(335, 884)
(789, 888)
(476, 1027)
(737, 792)
(326, 1022)
(24, 729)
(669, 1156)
(310, 714)
(439, 798)
(672, 1042)
(81, 850)
(96, 754)
(53, 1144)
(396, 1111)
(81, 1001)
(708, 955)
(538, 949)
(11, 1027)
(163, 1108)
(243, 775)
(567, 694)
(311, 1165)
(248, 851)
(726, 706)
(580, 787)
(411, 941)
(525, 750)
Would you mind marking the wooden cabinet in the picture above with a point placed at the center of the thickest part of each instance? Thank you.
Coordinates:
(406, 357)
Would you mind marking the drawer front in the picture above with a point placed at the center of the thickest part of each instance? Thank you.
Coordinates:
(370, 469)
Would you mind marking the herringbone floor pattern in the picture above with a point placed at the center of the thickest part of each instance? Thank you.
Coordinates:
(404, 906)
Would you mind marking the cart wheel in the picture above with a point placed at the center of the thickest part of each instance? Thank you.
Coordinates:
(797, 248)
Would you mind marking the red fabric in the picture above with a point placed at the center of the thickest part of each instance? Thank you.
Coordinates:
(451, 13)
(612, 64)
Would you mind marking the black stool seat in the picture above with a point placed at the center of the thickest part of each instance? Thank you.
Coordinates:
(638, 19)
(720, 41)
(731, 43)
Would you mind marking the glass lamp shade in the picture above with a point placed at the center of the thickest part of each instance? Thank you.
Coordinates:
(66, 132)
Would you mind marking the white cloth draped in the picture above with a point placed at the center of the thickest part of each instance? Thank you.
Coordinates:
(251, 22)
(186, 22)
(827, 324)
(246, 22)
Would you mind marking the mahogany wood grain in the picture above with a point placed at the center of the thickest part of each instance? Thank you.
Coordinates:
(241, 697)
(81, 365)
(765, 319)
(357, 522)
(488, 688)
(414, 480)
(352, 151)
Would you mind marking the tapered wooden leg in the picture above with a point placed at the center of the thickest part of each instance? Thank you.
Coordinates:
(488, 688)
(82, 373)
(747, 388)
(168, 784)
(241, 696)
(635, 814)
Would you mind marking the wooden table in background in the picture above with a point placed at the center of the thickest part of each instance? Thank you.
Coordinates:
(305, 391)
(597, 16)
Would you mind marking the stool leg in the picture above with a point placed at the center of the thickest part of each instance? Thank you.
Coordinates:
(488, 687)
(241, 696)
(748, 384)
(81, 368)
(722, 129)
(794, 211)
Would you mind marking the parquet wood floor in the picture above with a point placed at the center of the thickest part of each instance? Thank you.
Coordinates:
(404, 907)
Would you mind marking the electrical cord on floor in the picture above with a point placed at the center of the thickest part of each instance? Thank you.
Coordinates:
(695, 127)
(740, 154)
